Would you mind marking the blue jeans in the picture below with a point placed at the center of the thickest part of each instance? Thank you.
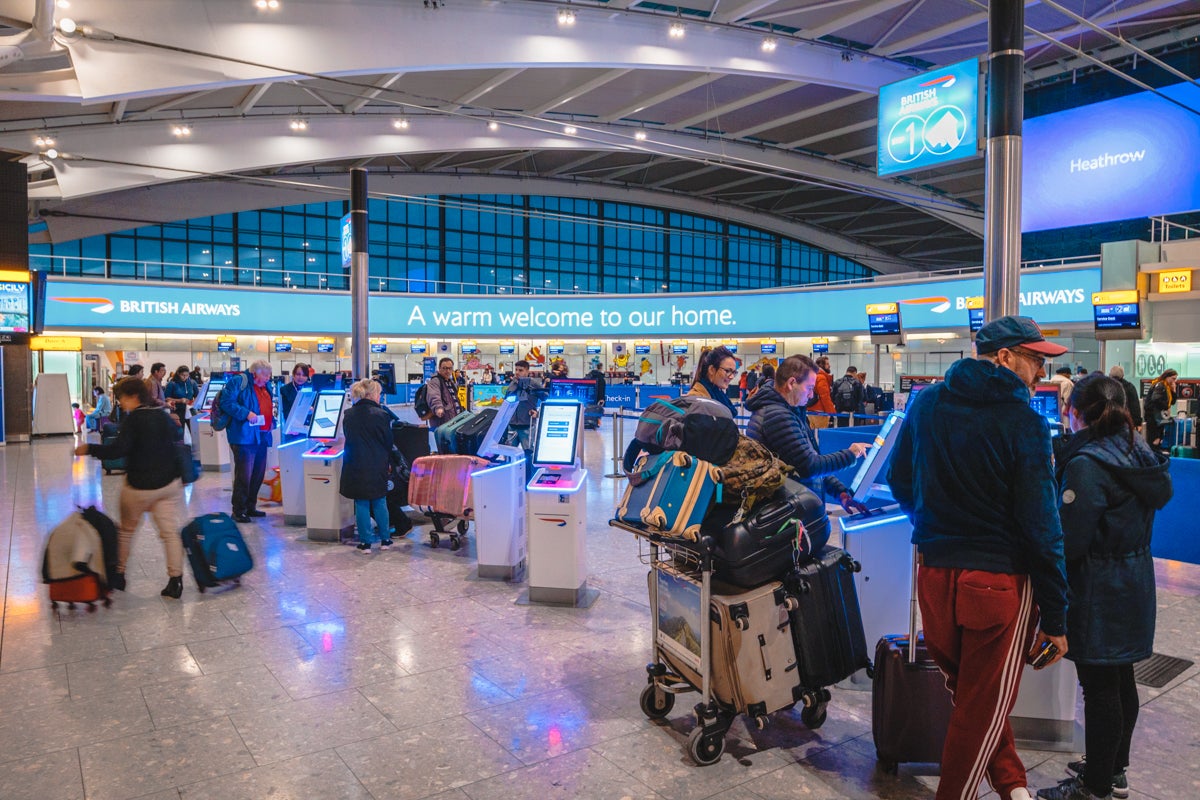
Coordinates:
(363, 511)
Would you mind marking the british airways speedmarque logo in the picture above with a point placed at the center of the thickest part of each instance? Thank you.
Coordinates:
(944, 82)
(102, 305)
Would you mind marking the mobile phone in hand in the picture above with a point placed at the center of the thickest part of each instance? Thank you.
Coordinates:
(1044, 656)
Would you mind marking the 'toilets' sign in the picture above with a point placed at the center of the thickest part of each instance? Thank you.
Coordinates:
(929, 120)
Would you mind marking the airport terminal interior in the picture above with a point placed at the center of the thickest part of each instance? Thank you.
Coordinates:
(616, 186)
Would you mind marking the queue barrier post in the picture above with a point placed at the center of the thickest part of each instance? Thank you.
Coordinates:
(618, 435)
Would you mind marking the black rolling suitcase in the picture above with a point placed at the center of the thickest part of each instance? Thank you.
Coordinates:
(470, 436)
(111, 465)
(827, 627)
(411, 440)
(397, 497)
(591, 417)
(216, 550)
(910, 704)
(768, 542)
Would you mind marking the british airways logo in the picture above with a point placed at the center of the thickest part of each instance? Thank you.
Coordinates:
(556, 521)
(101, 305)
(944, 82)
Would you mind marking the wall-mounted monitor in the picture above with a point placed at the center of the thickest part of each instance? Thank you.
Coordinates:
(324, 346)
(556, 348)
(820, 348)
(594, 348)
(768, 348)
(1117, 315)
(327, 415)
(468, 348)
(378, 347)
(559, 423)
(883, 323)
(679, 348)
(226, 345)
(417, 348)
(875, 461)
(641, 348)
(730, 346)
(283, 346)
(975, 319)
(507, 349)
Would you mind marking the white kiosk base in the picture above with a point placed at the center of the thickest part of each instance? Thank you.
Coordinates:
(327, 514)
(291, 477)
(498, 497)
(557, 519)
(211, 446)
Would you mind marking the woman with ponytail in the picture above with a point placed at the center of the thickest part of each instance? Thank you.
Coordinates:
(1111, 484)
(1157, 408)
(714, 373)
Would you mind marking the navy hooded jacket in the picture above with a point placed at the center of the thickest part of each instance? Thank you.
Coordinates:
(1110, 492)
(784, 430)
(972, 469)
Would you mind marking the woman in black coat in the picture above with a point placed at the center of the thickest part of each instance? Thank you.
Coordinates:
(1157, 408)
(368, 432)
(1112, 482)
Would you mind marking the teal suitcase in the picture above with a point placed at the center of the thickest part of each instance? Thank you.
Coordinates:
(683, 491)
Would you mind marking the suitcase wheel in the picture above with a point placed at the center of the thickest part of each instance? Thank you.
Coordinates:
(655, 703)
(791, 603)
(455, 542)
(741, 623)
(462, 527)
(760, 721)
(434, 539)
(813, 717)
(704, 748)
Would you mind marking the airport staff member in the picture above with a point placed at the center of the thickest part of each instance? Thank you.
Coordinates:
(972, 469)
(442, 394)
(287, 395)
(247, 400)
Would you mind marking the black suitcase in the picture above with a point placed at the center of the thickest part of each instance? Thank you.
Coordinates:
(763, 546)
(469, 437)
(591, 417)
(111, 465)
(827, 627)
(910, 705)
(216, 550)
(411, 440)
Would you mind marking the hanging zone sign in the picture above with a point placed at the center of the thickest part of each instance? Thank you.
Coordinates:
(930, 120)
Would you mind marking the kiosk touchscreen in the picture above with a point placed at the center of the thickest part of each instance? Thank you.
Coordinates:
(498, 497)
(327, 513)
(559, 424)
(210, 447)
(866, 480)
(295, 442)
(1045, 403)
(327, 415)
(208, 394)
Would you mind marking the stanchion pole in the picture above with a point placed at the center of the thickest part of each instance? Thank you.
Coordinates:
(618, 433)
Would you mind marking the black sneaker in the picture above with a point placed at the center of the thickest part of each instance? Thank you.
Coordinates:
(254, 512)
(1071, 789)
(117, 581)
(385, 544)
(1120, 780)
(363, 548)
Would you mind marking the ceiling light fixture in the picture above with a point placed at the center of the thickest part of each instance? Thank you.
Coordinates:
(493, 126)
(266, 5)
(640, 136)
(67, 25)
(63, 3)
(44, 141)
(181, 131)
(676, 31)
(566, 17)
(769, 44)
(298, 125)
(570, 130)
(51, 154)
(400, 124)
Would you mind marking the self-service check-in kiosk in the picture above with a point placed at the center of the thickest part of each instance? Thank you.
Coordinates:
(880, 540)
(498, 497)
(210, 446)
(326, 512)
(294, 434)
(556, 513)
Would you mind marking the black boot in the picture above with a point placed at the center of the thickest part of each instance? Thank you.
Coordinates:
(174, 588)
(116, 581)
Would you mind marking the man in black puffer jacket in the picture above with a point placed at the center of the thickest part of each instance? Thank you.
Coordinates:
(780, 422)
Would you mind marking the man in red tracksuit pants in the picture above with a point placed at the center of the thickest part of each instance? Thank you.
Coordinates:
(972, 469)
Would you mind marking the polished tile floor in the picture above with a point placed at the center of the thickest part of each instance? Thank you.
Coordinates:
(398, 676)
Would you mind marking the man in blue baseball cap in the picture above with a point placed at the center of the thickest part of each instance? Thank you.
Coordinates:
(972, 469)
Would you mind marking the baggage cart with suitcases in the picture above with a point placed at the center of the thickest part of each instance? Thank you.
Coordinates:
(469, 436)
(80, 555)
(910, 704)
(735, 649)
(441, 486)
(411, 442)
(216, 551)
(445, 436)
(827, 625)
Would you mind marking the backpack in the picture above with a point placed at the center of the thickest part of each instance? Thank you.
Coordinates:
(663, 426)
(844, 398)
(217, 416)
(421, 402)
(752, 474)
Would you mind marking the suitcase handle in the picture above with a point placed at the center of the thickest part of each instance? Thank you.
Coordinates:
(912, 609)
(762, 652)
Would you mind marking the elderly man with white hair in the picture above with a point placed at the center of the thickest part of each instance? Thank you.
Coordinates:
(1132, 401)
(247, 402)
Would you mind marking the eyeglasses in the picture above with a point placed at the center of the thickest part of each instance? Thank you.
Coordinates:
(728, 371)
(1036, 359)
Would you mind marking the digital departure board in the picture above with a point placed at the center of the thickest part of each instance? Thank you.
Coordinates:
(1117, 314)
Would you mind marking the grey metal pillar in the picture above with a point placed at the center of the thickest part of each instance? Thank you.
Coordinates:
(359, 290)
(1002, 188)
(878, 374)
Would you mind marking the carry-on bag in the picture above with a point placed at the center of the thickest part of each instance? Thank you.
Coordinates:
(591, 416)
(216, 550)
(640, 488)
(827, 626)
(910, 704)
(683, 491)
(470, 435)
(111, 465)
(411, 440)
(78, 559)
(753, 659)
(445, 436)
(442, 483)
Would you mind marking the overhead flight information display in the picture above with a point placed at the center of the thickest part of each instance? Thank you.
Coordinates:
(1117, 313)
(929, 120)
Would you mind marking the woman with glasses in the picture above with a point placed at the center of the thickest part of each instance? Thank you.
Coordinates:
(714, 373)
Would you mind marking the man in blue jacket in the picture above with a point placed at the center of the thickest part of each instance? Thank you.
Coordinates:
(972, 469)
(248, 403)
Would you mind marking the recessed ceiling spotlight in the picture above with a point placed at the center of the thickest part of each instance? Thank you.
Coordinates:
(181, 131)
(676, 31)
(63, 3)
(298, 125)
(44, 141)
(67, 25)
(51, 153)
(769, 44)
(566, 17)
(400, 124)
(640, 135)
(570, 130)
(493, 126)
(266, 5)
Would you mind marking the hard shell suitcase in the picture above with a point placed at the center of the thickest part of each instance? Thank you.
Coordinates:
(445, 436)
(754, 668)
(910, 704)
(770, 541)
(216, 550)
(442, 483)
(640, 488)
(681, 496)
(591, 417)
(111, 465)
(470, 435)
(1180, 451)
(827, 626)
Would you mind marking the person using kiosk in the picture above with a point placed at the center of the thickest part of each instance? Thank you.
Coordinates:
(368, 434)
(247, 402)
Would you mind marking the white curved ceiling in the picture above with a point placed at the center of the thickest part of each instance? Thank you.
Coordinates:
(785, 138)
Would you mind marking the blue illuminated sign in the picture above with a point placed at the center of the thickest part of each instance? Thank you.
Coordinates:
(1115, 160)
(283, 347)
(883, 324)
(507, 349)
(324, 347)
(556, 349)
(929, 120)
(679, 349)
(768, 349)
(641, 349)
(417, 348)
(1050, 297)
(378, 347)
(1117, 317)
(975, 319)
(226, 346)
(595, 349)
(347, 242)
(820, 347)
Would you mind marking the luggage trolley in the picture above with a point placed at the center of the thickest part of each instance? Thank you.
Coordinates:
(685, 570)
